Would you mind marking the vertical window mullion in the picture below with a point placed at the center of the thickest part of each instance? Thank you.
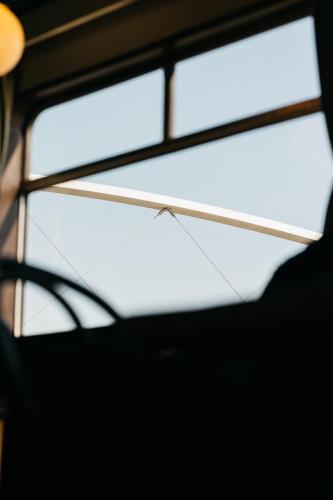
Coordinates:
(169, 85)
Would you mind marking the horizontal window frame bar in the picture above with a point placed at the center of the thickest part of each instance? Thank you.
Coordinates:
(173, 145)
(161, 55)
(184, 207)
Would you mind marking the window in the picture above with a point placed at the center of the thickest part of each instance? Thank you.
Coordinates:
(251, 76)
(281, 172)
(108, 122)
(141, 260)
(140, 263)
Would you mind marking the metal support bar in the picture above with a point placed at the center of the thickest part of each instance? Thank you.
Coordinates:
(169, 77)
(222, 131)
(184, 207)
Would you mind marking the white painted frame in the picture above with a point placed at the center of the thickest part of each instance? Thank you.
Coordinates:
(184, 207)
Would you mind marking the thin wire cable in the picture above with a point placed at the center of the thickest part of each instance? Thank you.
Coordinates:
(254, 292)
(100, 262)
(61, 292)
(217, 269)
(122, 244)
(60, 252)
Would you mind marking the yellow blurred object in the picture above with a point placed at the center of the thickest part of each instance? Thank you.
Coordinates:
(11, 40)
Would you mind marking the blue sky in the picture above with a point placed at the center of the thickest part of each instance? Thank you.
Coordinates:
(283, 172)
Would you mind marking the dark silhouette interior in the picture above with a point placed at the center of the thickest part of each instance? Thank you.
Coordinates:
(220, 403)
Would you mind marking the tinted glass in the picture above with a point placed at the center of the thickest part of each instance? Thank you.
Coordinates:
(254, 75)
(102, 124)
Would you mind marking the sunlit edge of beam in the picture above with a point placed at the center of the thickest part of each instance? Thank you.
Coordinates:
(184, 207)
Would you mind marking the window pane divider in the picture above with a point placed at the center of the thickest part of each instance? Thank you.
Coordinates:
(172, 145)
(169, 79)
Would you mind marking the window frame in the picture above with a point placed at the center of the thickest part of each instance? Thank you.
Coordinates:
(165, 58)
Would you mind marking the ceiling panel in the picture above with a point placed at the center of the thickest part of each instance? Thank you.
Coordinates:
(21, 7)
(143, 25)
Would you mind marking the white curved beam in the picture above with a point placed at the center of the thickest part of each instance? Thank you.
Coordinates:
(184, 207)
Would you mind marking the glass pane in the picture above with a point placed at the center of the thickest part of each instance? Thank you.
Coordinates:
(44, 314)
(70, 236)
(283, 172)
(105, 123)
(257, 74)
(141, 263)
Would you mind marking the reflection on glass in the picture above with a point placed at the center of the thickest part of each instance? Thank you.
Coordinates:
(257, 74)
(108, 122)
